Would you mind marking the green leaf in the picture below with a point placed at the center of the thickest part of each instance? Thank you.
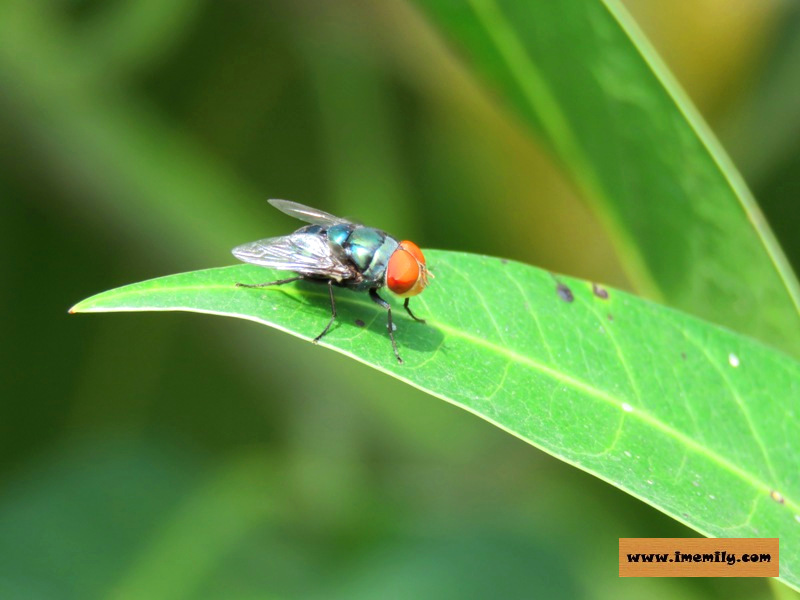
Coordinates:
(700, 422)
(582, 76)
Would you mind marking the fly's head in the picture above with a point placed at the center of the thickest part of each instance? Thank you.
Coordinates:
(406, 273)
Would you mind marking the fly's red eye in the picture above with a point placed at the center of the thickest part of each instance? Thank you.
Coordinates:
(414, 250)
(402, 271)
(405, 273)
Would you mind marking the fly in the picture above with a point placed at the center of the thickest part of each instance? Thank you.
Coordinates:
(341, 253)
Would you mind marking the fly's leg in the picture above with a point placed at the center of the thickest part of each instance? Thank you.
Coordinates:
(405, 305)
(333, 313)
(289, 280)
(260, 285)
(373, 293)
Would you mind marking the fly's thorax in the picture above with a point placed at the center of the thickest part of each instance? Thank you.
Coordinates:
(370, 249)
(311, 229)
(362, 246)
(376, 271)
(338, 234)
(367, 248)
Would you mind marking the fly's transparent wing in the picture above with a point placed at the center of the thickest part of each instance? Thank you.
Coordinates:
(306, 213)
(304, 253)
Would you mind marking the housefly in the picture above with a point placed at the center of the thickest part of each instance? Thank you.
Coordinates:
(341, 253)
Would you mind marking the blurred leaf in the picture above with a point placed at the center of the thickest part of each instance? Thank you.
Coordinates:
(129, 517)
(73, 520)
(461, 564)
(689, 232)
(712, 47)
(129, 34)
(762, 131)
(682, 414)
(116, 154)
(229, 506)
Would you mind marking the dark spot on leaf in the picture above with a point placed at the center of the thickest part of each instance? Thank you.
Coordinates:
(599, 291)
(610, 317)
(504, 261)
(777, 496)
(360, 323)
(565, 293)
(683, 355)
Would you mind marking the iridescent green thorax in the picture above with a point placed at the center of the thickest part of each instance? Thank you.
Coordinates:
(367, 248)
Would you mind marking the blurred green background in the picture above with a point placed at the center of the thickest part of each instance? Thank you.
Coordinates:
(182, 456)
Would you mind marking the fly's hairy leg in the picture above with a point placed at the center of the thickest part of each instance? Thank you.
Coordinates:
(276, 282)
(333, 313)
(373, 293)
(405, 305)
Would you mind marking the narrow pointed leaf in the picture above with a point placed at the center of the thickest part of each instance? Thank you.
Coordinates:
(581, 75)
(698, 421)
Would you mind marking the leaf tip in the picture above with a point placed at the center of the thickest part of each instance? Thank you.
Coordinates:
(79, 308)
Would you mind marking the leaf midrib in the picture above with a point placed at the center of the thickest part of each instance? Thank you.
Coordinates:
(637, 413)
